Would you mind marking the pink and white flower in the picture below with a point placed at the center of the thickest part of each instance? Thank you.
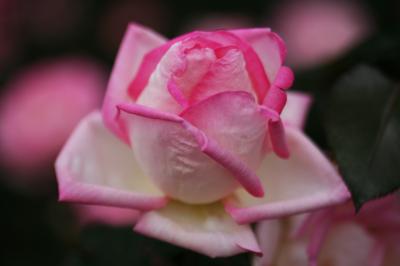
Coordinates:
(191, 135)
(335, 236)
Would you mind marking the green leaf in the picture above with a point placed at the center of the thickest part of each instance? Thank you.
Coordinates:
(362, 123)
(103, 245)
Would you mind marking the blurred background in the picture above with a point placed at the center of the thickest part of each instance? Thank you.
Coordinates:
(55, 59)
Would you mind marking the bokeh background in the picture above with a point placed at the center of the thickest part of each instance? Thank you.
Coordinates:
(55, 59)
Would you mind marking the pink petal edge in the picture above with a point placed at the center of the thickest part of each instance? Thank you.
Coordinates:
(296, 109)
(72, 173)
(283, 209)
(137, 41)
(328, 187)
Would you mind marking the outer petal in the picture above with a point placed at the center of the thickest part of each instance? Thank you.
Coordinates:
(296, 109)
(155, 93)
(137, 42)
(206, 229)
(190, 166)
(268, 46)
(304, 182)
(269, 234)
(94, 167)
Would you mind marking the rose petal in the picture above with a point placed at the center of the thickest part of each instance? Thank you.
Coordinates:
(268, 46)
(95, 167)
(234, 121)
(206, 229)
(227, 73)
(269, 234)
(346, 245)
(137, 41)
(318, 236)
(304, 182)
(223, 43)
(190, 166)
(296, 109)
(192, 74)
(156, 94)
(284, 78)
(278, 139)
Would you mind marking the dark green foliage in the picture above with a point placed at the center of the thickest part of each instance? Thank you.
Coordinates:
(363, 129)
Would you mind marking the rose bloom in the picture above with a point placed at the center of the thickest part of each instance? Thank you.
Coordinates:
(318, 31)
(191, 135)
(335, 236)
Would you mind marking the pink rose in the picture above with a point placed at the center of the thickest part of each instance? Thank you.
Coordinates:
(40, 107)
(335, 236)
(318, 31)
(191, 135)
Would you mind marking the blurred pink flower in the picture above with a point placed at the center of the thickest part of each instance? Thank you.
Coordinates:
(39, 108)
(335, 237)
(317, 31)
(191, 134)
(92, 214)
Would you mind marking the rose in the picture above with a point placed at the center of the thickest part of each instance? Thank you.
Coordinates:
(201, 114)
(335, 236)
(32, 134)
(306, 24)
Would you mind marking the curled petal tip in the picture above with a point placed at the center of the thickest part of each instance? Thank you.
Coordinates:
(258, 190)
(283, 153)
(255, 250)
(284, 79)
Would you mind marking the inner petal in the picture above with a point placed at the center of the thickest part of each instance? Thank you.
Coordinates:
(197, 72)
(169, 151)
(227, 73)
